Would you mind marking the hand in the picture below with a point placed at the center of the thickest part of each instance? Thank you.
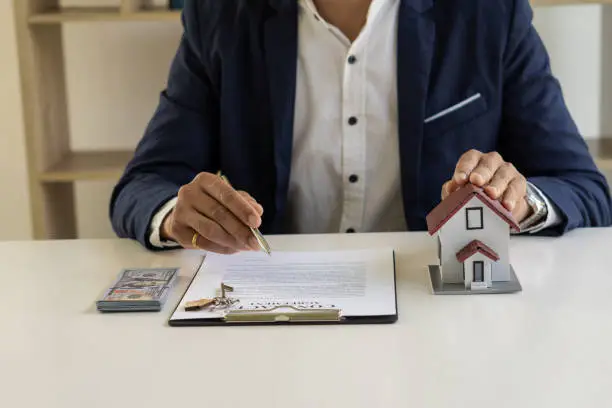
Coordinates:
(500, 181)
(219, 214)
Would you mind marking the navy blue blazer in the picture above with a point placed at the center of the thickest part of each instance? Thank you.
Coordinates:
(229, 105)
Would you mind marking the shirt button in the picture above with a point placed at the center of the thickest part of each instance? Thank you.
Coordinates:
(352, 121)
(353, 178)
(352, 59)
(350, 230)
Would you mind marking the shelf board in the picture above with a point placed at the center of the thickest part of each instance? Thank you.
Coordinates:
(601, 149)
(76, 14)
(79, 166)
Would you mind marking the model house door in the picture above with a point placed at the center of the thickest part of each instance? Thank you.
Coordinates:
(478, 271)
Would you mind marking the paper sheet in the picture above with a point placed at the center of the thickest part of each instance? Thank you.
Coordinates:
(361, 283)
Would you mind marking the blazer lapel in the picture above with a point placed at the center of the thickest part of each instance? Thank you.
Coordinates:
(280, 38)
(416, 35)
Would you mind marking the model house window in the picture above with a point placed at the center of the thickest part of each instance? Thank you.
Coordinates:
(473, 218)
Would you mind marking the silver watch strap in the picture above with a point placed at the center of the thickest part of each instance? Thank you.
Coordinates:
(539, 208)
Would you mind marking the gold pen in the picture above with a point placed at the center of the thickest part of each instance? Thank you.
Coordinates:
(263, 244)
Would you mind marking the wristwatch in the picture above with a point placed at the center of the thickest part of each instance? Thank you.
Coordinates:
(538, 208)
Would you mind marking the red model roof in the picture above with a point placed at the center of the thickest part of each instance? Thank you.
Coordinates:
(454, 202)
(476, 246)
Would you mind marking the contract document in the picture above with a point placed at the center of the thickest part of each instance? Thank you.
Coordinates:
(360, 284)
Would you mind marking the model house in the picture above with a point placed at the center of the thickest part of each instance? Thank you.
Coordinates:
(473, 234)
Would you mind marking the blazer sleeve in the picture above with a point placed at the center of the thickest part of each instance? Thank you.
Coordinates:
(539, 136)
(180, 141)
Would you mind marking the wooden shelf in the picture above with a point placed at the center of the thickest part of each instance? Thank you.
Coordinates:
(79, 166)
(83, 14)
(601, 149)
(76, 14)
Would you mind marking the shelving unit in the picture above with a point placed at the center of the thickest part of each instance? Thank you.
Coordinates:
(53, 166)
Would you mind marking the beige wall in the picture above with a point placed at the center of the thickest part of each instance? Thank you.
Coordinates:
(572, 35)
(116, 71)
(14, 199)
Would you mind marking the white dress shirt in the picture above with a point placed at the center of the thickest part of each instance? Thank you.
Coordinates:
(346, 176)
(345, 169)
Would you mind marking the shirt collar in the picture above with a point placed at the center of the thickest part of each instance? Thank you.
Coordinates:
(309, 7)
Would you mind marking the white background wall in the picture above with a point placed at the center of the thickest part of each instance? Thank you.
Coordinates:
(116, 71)
(573, 37)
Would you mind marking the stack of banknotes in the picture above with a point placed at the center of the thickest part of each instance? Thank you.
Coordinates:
(138, 290)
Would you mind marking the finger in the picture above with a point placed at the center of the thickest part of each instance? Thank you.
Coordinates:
(212, 231)
(192, 212)
(184, 236)
(230, 198)
(226, 220)
(448, 188)
(500, 181)
(445, 192)
(466, 164)
(453, 186)
(486, 168)
(203, 243)
(517, 189)
(256, 206)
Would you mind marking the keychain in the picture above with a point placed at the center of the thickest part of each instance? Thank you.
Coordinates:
(218, 302)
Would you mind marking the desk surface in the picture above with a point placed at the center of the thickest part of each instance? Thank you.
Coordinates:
(545, 347)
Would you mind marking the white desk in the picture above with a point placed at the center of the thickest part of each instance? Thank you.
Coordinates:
(548, 346)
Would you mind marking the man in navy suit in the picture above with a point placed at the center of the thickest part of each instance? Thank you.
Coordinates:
(353, 116)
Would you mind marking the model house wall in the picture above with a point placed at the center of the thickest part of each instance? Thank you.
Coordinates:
(454, 235)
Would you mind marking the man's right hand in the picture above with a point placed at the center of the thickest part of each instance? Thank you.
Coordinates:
(220, 215)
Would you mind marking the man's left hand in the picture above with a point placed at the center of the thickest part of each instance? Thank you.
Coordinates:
(499, 179)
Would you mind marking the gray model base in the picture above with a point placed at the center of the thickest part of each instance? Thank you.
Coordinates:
(439, 288)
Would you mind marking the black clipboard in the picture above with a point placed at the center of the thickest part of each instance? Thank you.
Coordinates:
(220, 321)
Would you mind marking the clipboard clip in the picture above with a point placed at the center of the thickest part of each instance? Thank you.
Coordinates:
(266, 311)
(277, 312)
